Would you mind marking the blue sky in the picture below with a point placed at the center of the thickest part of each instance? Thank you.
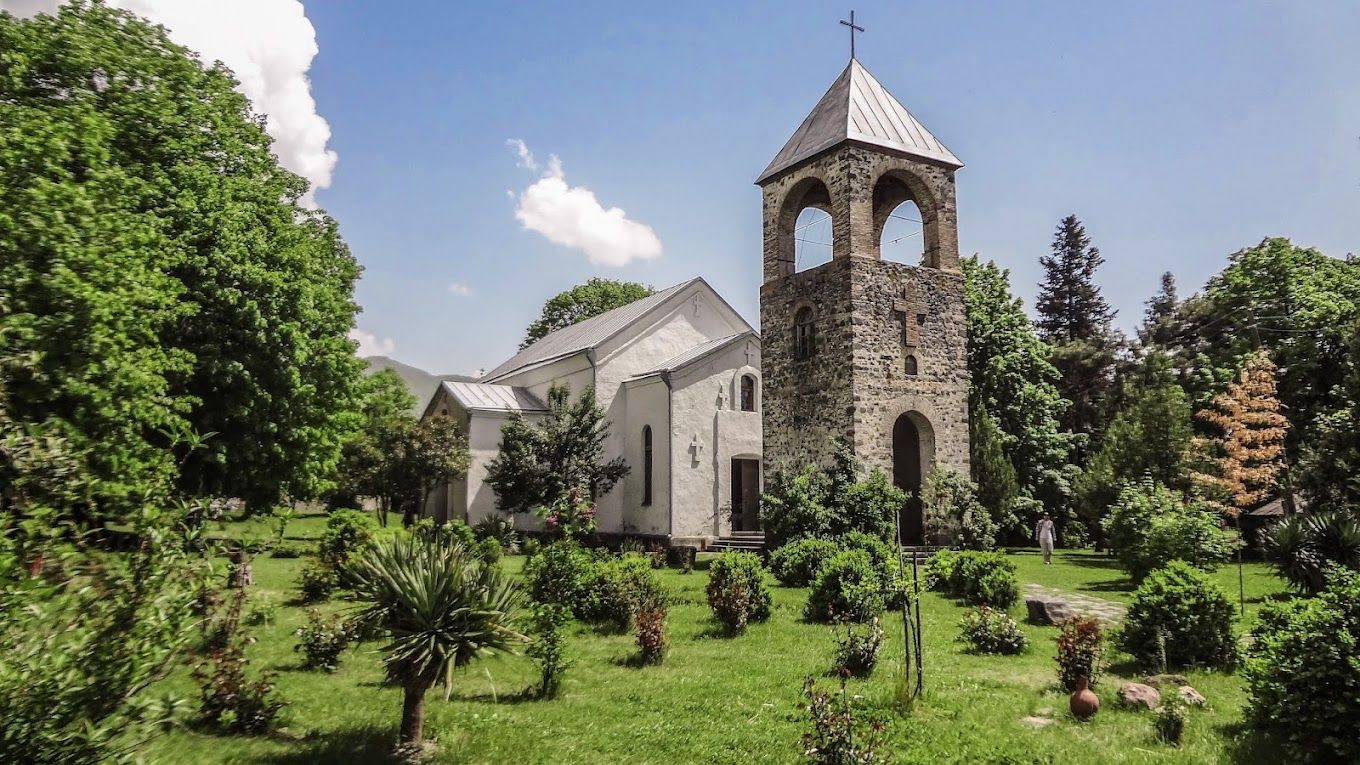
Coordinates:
(1178, 132)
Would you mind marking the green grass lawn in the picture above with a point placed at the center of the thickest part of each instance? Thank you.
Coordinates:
(722, 700)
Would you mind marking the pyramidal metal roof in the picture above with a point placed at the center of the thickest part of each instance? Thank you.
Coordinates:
(857, 108)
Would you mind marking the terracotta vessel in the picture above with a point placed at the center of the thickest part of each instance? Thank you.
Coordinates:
(1084, 703)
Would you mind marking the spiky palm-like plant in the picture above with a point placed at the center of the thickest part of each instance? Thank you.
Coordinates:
(441, 607)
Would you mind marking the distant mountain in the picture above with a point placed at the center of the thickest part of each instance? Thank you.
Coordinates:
(422, 384)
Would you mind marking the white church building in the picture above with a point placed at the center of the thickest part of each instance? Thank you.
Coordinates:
(678, 376)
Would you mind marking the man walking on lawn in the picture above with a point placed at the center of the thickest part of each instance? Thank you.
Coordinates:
(1044, 533)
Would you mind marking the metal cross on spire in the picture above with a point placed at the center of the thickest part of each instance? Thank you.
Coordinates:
(853, 30)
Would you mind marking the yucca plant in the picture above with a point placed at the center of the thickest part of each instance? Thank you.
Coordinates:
(1303, 546)
(441, 607)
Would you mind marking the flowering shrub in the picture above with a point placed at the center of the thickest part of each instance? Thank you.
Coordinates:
(1170, 720)
(987, 630)
(321, 641)
(561, 573)
(837, 735)
(857, 650)
(847, 587)
(1081, 648)
(650, 618)
(737, 592)
(547, 626)
(571, 516)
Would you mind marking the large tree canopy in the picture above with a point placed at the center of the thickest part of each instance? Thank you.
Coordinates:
(160, 276)
(582, 302)
(1013, 381)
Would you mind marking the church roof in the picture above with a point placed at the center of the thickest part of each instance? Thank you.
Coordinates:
(700, 351)
(857, 108)
(584, 335)
(495, 398)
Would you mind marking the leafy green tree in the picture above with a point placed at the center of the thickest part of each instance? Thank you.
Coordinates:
(162, 277)
(1151, 525)
(1148, 438)
(993, 473)
(953, 514)
(441, 607)
(1329, 466)
(844, 499)
(541, 462)
(1012, 380)
(1075, 319)
(582, 302)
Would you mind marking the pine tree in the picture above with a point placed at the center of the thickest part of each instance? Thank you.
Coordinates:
(1158, 320)
(1251, 441)
(1075, 319)
(1070, 305)
(993, 472)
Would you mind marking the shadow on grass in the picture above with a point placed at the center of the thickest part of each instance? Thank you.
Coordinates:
(1250, 747)
(1109, 585)
(1090, 561)
(367, 745)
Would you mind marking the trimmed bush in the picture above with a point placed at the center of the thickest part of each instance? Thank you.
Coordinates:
(317, 581)
(1150, 526)
(737, 592)
(1303, 674)
(848, 587)
(547, 628)
(347, 532)
(939, 570)
(796, 563)
(985, 579)
(987, 630)
(857, 649)
(1081, 652)
(1178, 607)
(560, 573)
(615, 586)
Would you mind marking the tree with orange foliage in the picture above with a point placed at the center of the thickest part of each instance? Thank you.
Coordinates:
(1250, 447)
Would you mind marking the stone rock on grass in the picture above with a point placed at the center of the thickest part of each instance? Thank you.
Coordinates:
(1044, 610)
(1036, 722)
(1139, 696)
(1191, 696)
(1157, 681)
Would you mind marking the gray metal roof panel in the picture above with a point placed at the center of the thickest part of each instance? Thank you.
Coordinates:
(499, 398)
(857, 107)
(584, 335)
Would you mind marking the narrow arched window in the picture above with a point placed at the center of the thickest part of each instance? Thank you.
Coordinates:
(804, 334)
(911, 365)
(646, 464)
(748, 393)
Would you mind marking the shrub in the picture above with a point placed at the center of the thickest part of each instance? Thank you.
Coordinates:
(489, 550)
(1178, 604)
(614, 588)
(500, 528)
(650, 618)
(227, 697)
(939, 570)
(857, 650)
(560, 573)
(847, 587)
(547, 625)
(817, 503)
(794, 506)
(317, 581)
(347, 532)
(321, 641)
(736, 591)
(1081, 652)
(1170, 720)
(449, 532)
(869, 506)
(530, 546)
(287, 550)
(264, 612)
(988, 630)
(837, 735)
(796, 563)
(1150, 526)
(952, 513)
(1301, 548)
(1303, 677)
(985, 579)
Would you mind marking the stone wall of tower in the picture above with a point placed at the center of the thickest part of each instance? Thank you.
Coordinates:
(856, 385)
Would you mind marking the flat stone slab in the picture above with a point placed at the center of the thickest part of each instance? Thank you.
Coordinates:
(1046, 610)
(1106, 611)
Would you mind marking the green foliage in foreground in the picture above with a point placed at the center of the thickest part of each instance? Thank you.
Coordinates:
(1150, 526)
(970, 713)
(1179, 618)
(812, 502)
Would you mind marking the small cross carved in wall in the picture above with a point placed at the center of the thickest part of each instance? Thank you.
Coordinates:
(910, 312)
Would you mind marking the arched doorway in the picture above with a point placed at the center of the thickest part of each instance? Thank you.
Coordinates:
(907, 476)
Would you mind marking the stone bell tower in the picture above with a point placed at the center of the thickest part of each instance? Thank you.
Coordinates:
(858, 347)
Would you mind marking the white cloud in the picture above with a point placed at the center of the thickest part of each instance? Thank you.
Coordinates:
(571, 216)
(269, 45)
(460, 289)
(370, 344)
